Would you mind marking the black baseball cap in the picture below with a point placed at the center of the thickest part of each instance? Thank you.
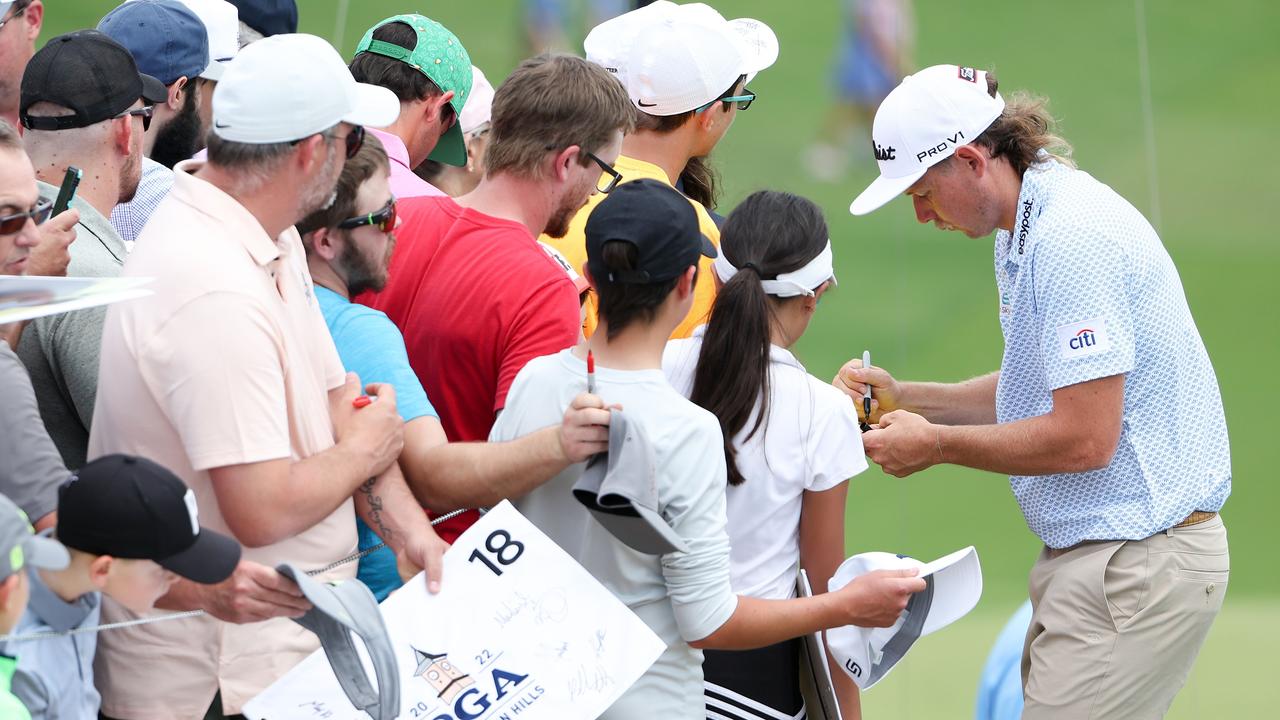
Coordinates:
(658, 220)
(90, 74)
(269, 17)
(132, 508)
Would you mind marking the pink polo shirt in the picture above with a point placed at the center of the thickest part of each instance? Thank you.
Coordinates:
(404, 184)
(228, 363)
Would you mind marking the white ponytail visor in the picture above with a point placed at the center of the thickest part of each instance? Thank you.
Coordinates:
(791, 284)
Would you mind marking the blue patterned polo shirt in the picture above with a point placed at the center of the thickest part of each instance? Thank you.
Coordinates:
(1086, 291)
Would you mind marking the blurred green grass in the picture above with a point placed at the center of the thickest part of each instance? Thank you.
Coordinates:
(925, 304)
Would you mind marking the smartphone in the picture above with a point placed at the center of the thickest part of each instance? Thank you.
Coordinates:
(67, 192)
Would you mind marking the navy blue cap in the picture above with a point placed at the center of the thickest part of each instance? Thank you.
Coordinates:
(659, 221)
(166, 39)
(269, 17)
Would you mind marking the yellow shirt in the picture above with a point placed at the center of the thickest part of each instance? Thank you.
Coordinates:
(574, 247)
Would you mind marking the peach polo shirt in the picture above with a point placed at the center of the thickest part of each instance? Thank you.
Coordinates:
(228, 363)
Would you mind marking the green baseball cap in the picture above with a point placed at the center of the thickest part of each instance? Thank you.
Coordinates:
(440, 56)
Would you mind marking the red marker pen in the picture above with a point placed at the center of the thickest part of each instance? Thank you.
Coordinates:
(591, 373)
(363, 401)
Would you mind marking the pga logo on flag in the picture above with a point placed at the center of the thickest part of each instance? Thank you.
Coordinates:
(1083, 338)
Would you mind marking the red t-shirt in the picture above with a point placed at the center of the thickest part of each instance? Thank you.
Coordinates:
(476, 298)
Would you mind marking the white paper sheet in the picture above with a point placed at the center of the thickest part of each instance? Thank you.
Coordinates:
(525, 633)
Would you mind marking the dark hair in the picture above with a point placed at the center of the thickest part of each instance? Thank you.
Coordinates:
(621, 304)
(371, 158)
(1023, 129)
(553, 101)
(698, 180)
(408, 83)
(769, 233)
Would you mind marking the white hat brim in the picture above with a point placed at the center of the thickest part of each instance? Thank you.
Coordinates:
(882, 190)
(215, 70)
(375, 106)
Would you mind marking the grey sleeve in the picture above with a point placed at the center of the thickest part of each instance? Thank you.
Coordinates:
(31, 691)
(61, 353)
(30, 468)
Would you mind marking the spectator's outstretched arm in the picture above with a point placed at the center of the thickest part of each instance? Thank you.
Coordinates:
(476, 474)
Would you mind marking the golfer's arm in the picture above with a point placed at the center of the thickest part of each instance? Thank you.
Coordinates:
(1080, 434)
(449, 476)
(972, 402)
(386, 505)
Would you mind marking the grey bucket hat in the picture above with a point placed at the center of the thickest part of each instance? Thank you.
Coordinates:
(339, 610)
(620, 489)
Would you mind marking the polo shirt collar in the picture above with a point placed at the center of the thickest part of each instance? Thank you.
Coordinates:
(235, 219)
(635, 169)
(52, 610)
(1013, 247)
(397, 152)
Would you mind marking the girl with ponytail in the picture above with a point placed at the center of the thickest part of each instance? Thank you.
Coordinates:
(791, 441)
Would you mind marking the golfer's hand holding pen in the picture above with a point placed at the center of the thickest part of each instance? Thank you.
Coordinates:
(873, 390)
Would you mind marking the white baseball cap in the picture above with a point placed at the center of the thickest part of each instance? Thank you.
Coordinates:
(921, 123)
(953, 586)
(287, 87)
(676, 58)
(222, 20)
(477, 110)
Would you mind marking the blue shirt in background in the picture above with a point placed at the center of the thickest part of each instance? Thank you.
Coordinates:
(1000, 688)
(371, 346)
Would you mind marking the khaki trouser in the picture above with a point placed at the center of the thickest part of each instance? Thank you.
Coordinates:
(1116, 626)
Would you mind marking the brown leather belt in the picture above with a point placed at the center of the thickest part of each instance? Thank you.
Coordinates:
(1196, 518)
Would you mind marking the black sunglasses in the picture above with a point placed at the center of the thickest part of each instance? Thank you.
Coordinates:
(146, 112)
(11, 224)
(354, 140)
(384, 218)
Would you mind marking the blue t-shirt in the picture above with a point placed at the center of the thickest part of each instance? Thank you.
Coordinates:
(371, 346)
(1000, 689)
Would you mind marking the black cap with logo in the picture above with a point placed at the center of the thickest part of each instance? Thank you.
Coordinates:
(658, 220)
(131, 508)
(88, 73)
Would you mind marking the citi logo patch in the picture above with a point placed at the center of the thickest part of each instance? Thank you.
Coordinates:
(1083, 338)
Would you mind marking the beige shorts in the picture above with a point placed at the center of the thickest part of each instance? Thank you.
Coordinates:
(1116, 626)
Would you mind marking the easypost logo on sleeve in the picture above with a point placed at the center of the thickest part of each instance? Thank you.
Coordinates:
(1083, 338)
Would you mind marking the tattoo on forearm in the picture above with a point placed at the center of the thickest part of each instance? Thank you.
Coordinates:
(375, 510)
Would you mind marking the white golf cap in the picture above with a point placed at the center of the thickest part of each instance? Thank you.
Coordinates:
(222, 20)
(477, 110)
(288, 87)
(676, 58)
(921, 123)
(954, 584)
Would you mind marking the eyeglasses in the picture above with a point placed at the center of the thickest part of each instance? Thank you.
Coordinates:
(384, 218)
(354, 140)
(744, 100)
(609, 178)
(146, 112)
(11, 224)
(17, 13)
